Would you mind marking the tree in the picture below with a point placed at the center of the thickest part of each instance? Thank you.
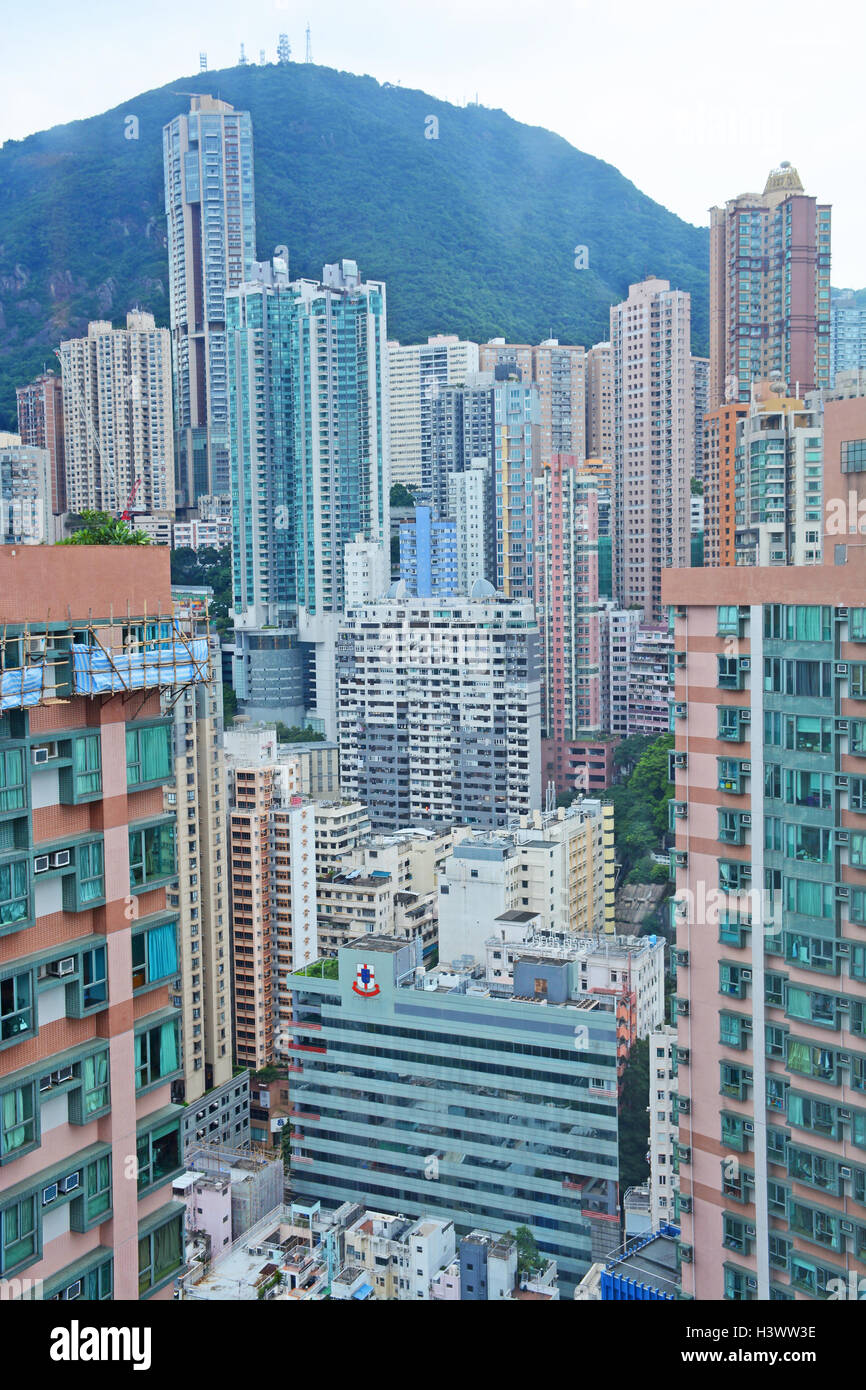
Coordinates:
(101, 528)
(697, 487)
(640, 807)
(401, 496)
(529, 1260)
(297, 734)
(230, 704)
(633, 1121)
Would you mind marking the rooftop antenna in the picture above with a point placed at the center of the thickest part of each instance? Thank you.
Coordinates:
(284, 49)
(309, 57)
(242, 60)
(202, 62)
(262, 58)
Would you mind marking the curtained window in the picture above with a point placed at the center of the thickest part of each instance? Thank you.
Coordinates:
(17, 1120)
(148, 755)
(95, 1083)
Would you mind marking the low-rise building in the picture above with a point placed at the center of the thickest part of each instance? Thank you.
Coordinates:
(559, 864)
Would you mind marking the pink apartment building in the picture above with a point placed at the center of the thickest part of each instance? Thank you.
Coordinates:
(89, 1038)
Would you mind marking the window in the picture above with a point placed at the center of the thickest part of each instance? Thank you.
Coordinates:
(159, 1253)
(90, 867)
(156, 1054)
(19, 1236)
(736, 1081)
(808, 898)
(728, 620)
(809, 1060)
(13, 782)
(14, 892)
(809, 844)
(97, 1191)
(154, 954)
(17, 1012)
(95, 1089)
(158, 1153)
(148, 754)
(151, 854)
(857, 681)
(18, 1120)
(730, 723)
(731, 1030)
(731, 980)
(808, 734)
(87, 765)
(94, 977)
(729, 774)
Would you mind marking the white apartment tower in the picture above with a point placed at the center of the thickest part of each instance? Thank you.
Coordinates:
(418, 372)
(439, 708)
(117, 418)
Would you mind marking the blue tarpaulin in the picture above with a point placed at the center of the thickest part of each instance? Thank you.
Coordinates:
(23, 687)
(167, 662)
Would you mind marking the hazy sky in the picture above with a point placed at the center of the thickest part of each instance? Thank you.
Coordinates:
(692, 103)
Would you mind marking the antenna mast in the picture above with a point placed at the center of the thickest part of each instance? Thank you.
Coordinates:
(309, 57)
(284, 49)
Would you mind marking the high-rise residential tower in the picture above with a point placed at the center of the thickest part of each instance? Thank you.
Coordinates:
(655, 437)
(719, 479)
(117, 426)
(89, 1041)
(566, 600)
(768, 812)
(40, 424)
(847, 336)
(310, 465)
(769, 290)
(778, 476)
(439, 709)
(418, 372)
(558, 373)
(210, 206)
(201, 894)
(600, 427)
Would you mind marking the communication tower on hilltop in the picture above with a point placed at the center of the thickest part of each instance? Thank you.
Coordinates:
(243, 60)
(202, 62)
(284, 49)
(262, 58)
(309, 57)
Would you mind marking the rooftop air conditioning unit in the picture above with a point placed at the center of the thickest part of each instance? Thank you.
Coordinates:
(41, 863)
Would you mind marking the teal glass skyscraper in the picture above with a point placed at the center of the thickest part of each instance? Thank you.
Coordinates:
(309, 461)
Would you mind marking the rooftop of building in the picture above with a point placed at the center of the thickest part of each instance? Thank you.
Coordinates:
(373, 942)
(650, 1259)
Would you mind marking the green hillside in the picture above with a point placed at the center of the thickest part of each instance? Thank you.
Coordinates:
(474, 232)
